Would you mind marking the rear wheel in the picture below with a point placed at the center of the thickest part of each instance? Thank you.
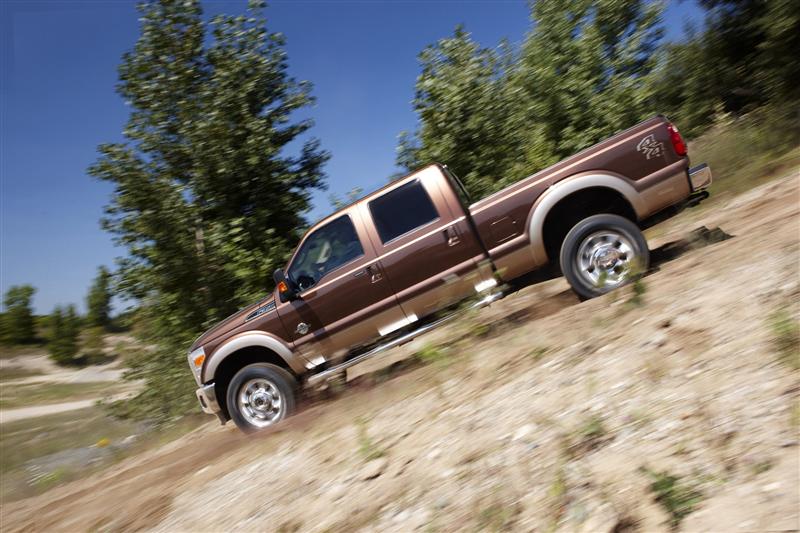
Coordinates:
(260, 395)
(601, 253)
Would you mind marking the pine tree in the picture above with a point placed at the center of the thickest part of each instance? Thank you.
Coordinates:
(208, 199)
(64, 332)
(17, 322)
(98, 301)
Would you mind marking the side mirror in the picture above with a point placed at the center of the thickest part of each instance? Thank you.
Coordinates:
(285, 289)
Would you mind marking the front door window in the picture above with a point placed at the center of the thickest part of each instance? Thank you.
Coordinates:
(326, 249)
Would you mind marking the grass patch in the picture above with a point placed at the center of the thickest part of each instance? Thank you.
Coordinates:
(677, 497)
(786, 338)
(557, 498)
(497, 517)
(481, 330)
(433, 355)
(589, 435)
(21, 350)
(366, 447)
(24, 441)
(748, 151)
(27, 447)
(30, 394)
(794, 415)
(537, 354)
(762, 466)
(10, 373)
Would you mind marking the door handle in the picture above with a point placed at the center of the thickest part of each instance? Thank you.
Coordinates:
(374, 274)
(452, 236)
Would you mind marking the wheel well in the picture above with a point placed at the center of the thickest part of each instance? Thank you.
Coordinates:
(238, 360)
(573, 208)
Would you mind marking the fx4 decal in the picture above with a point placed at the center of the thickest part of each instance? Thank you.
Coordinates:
(650, 147)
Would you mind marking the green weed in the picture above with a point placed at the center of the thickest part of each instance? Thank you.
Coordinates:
(537, 353)
(786, 338)
(497, 517)
(366, 447)
(677, 497)
(433, 355)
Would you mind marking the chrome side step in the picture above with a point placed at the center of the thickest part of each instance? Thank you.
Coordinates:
(402, 339)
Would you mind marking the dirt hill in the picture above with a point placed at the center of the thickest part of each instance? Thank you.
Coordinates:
(540, 413)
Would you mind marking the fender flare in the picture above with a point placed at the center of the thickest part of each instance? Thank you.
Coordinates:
(560, 190)
(245, 340)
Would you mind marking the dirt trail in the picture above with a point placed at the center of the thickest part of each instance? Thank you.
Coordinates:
(543, 414)
(12, 415)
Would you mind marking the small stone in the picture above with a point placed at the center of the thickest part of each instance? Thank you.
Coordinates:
(772, 487)
(659, 339)
(523, 432)
(602, 520)
(374, 468)
(441, 503)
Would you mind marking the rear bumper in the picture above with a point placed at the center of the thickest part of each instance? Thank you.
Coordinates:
(700, 177)
(207, 397)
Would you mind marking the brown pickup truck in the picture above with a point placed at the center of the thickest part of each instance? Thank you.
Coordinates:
(374, 274)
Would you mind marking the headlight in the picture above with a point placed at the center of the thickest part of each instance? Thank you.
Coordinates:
(196, 359)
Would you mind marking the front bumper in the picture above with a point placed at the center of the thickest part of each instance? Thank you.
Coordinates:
(207, 397)
(700, 177)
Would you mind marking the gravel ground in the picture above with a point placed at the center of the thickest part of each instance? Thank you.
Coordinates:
(540, 413)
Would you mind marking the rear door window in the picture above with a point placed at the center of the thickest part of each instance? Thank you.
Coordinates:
(402, 210)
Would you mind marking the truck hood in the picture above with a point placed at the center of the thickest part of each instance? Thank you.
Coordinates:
(234, 321)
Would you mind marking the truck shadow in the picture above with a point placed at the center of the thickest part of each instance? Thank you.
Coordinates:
(698, 238)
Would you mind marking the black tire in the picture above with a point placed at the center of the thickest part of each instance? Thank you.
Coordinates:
(273, 379)
(594, 238)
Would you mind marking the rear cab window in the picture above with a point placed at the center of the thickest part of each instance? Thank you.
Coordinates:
(402, 210)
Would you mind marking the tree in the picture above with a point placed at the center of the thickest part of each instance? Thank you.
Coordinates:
(65, 327)
(742, 58)
(351, 196)
(208, 199)
(586, 72)
(98, 301)
(464, 108)
(17, 320)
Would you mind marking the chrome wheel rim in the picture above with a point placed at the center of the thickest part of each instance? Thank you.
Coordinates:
(260, 402)
(606, 259)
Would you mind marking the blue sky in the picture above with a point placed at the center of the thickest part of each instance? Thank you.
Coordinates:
(58, 72)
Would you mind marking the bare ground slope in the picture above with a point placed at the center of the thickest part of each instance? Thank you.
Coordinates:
(540, 413)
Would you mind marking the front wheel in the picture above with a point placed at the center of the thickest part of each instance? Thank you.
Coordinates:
(601, 253)
(260, 395)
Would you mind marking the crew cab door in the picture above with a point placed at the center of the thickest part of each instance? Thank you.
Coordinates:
(344, 296)
(429, 252)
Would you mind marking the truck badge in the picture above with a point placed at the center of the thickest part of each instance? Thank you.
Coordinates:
(650, 147)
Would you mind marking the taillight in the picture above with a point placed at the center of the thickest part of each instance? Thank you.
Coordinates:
(677, 141)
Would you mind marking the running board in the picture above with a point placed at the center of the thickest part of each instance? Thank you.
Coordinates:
(338, 369)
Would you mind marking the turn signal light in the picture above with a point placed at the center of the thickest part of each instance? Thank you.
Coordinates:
(283, 287)
(198, 361)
